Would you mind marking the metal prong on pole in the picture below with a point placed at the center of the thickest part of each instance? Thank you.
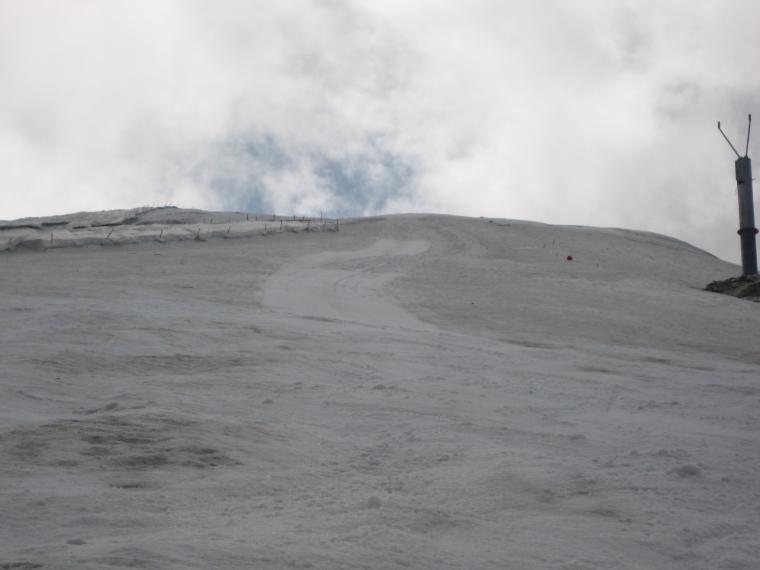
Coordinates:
(749, 128)
(728, 141)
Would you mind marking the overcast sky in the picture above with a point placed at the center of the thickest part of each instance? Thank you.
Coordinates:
(570, 111)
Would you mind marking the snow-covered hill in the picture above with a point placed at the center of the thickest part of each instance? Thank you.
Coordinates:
(407, 392)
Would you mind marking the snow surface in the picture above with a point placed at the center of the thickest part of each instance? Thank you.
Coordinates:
(408, 392)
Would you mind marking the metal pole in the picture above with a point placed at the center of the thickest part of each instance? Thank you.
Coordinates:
(747, 229)
(736, 152)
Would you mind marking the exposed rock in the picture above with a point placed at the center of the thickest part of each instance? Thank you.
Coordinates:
(745, 287)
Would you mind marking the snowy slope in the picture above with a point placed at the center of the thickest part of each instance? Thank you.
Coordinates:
(408, 392)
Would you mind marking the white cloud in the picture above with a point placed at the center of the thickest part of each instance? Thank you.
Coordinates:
(570, 111)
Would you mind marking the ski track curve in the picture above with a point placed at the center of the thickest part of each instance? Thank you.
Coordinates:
(315, 287)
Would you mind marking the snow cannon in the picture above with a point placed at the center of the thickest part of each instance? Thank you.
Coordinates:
(747, 229)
